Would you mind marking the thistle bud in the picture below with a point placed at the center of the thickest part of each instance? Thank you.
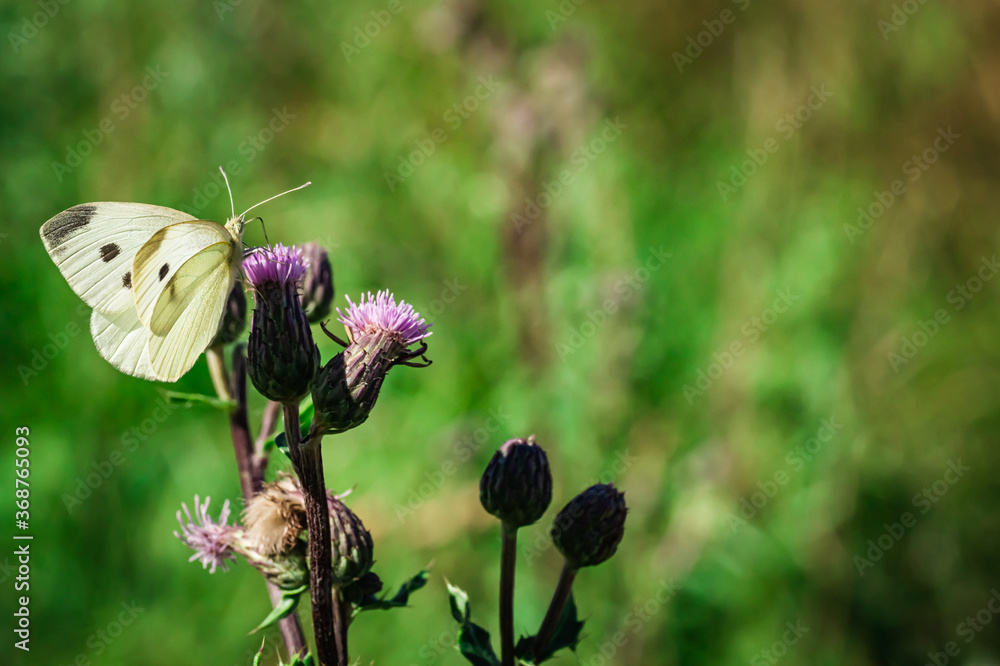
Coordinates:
(380, 333)
(282, 359)
(517, 484)
(317, 283)
(588, 529)
(353, 550)
(288, 570)
(234, 318)
(344, 396)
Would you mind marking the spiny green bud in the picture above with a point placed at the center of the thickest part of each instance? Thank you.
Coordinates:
(288, 570)
(317, 283)
(588, 529)
(517, 484)
(353, 550)
(345, 391)
(234, 318)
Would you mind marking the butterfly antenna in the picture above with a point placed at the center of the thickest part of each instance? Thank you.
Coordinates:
(264, 229)
(275, 197)
(232, 206)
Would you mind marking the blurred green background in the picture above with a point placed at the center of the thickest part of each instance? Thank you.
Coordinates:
(636, 229)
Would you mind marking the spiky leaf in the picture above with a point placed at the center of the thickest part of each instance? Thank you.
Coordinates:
(398, 600)
(473, 640)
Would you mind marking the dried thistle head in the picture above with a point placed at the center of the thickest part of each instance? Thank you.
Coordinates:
(276, 516)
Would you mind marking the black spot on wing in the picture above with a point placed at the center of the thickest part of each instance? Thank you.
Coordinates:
(109, 252)
(64, 225)
(164, 269)
(127, 280)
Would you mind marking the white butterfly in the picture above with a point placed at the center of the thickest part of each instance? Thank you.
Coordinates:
(157, 279)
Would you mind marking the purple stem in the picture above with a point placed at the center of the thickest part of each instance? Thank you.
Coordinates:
(307, 458)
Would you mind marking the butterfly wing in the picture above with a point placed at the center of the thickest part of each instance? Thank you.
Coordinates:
(183, 276)
(122, 340)
(93, 245)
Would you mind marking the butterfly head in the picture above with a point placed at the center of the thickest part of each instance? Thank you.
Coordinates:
(237, 223)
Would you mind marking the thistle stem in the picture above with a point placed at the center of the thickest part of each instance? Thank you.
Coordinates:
(559, 599)
(307, 457)
(508, 556)
(341, 617)
(251, 477)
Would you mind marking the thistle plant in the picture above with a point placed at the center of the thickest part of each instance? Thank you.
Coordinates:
(301, 537)
(297, 534)
(516, 488)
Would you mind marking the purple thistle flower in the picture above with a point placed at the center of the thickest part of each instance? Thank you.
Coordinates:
(381, 314)
(210, 540)
(380, 332)
(278, 264)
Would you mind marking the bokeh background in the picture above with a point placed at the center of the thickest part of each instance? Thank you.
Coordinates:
(636, 229)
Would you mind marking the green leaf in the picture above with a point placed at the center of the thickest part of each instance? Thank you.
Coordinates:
(459, 601)
(175, 398)
(289, 600)
(400, 599)
(567, 634)
(474, 643)
(473, 640)
(279, 440)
